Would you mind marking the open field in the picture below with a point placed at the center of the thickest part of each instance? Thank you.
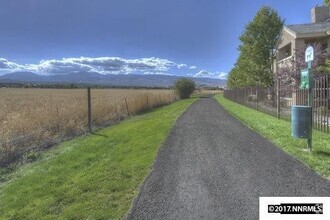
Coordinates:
(207, 92)
(91, 177)
(31, 119)
(279, 132)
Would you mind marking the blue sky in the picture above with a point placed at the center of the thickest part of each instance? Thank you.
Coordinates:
(180, 37)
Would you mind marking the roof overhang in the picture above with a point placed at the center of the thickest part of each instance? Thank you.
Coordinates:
(298, 36)
(286, 30)
(289, 31)
(313, 35)
(306, 35)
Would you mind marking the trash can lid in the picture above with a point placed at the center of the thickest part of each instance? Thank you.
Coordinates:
(300, 106)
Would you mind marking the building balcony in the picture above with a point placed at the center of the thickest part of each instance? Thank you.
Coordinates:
(284, 61)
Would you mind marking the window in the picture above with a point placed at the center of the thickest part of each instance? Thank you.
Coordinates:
(285, 52)
(288, 51)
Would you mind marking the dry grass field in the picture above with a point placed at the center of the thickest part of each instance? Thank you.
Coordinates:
(33, 119)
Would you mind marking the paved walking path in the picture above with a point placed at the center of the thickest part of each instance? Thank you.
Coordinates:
(214, 167)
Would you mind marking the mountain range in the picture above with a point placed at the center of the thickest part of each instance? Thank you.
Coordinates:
(94, 78)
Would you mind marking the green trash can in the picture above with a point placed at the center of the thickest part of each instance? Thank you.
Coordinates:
(301, 121)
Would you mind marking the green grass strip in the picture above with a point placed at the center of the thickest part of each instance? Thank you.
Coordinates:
(91, 177)
(279, 132)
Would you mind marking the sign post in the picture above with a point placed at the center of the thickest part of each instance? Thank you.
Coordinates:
(307, 82)
(301, 115)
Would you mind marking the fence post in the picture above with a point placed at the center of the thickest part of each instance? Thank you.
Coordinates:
(326, 97)
(89, 106)
(257, 98)
(278, 102)
(127, 107)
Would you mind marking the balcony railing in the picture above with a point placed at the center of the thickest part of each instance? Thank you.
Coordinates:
(284, 60)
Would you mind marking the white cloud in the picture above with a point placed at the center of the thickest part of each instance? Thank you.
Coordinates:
(223, 75)
(7, 65)
(206, 74)
(182, 66)
(54, 67)
(106, 65)
(202, 73)
(102, 65)
(158, 73)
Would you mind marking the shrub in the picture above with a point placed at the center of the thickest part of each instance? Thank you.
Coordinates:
(184, 87)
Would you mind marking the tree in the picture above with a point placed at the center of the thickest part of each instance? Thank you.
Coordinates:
(239, 76)
(257, 50)
(327, 3)
(184, 87)
(325, 68)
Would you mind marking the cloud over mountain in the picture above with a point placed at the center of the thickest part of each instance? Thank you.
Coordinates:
(107, 65)
(103, 65)
(7, 65)
(206, 74)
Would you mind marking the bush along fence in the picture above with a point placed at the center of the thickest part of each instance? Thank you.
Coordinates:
(39, 121)
(277, 101)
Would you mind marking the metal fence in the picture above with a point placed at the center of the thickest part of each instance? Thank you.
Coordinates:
(277, 101)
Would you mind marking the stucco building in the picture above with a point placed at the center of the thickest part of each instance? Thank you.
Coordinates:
(297, 36)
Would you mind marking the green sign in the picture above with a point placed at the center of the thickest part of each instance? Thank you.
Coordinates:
(305, 81)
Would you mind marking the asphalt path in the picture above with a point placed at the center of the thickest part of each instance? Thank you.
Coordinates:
(214, 167)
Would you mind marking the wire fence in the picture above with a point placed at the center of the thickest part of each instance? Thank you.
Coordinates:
(36, 119)
(277, 101)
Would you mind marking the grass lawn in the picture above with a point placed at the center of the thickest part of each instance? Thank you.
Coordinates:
(91, 177)
(279, 132)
